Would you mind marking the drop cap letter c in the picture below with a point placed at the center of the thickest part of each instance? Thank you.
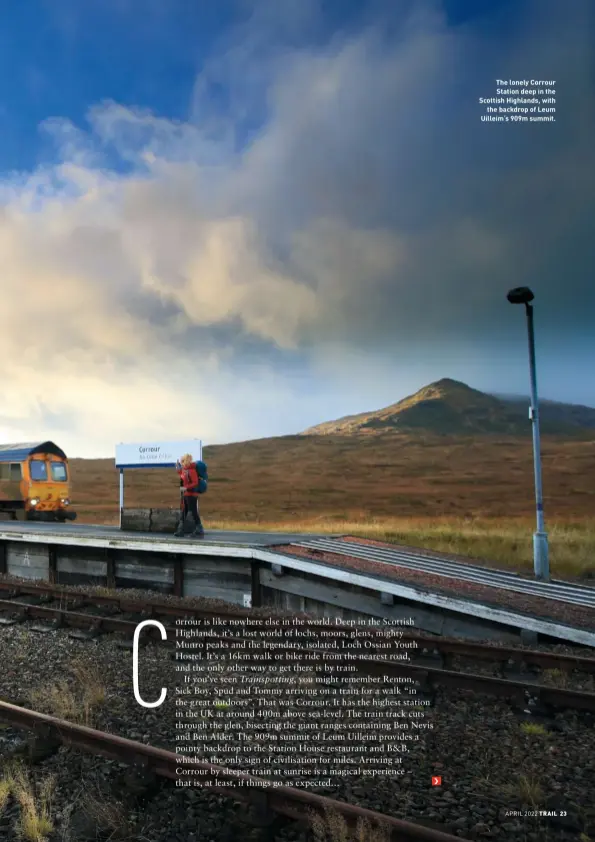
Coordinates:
(137, 632)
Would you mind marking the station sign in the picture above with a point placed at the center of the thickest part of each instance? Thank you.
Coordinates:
(156, 454)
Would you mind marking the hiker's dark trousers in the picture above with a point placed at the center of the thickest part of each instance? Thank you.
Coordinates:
(191, 507)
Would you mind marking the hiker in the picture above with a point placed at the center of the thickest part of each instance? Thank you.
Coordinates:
(189, 480)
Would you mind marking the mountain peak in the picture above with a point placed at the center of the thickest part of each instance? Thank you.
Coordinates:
(447, 383)
(449, 407)
(445, 388)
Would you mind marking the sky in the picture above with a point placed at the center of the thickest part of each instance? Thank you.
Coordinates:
(239, 219)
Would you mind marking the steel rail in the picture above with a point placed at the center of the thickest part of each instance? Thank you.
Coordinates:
(269, 798)
(425, 675)
(156, 609)
(73, 619)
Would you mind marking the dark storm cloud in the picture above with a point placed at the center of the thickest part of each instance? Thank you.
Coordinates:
(362, 204)
(404, 212)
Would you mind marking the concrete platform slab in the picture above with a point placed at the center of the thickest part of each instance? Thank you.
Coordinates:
(221, 538)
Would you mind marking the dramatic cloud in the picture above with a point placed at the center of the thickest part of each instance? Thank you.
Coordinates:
(160, 271)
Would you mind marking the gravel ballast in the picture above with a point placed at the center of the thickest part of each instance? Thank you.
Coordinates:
(479, 746)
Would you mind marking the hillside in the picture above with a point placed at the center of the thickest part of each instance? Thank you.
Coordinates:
(555, 412)
(427, 456)
(341, 477)
(468, 493)
(448, 407)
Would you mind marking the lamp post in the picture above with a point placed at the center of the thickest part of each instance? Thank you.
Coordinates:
(523, 295)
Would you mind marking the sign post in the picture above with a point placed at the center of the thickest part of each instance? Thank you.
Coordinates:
(161, 454)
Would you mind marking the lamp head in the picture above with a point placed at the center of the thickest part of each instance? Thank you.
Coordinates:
(520, 295)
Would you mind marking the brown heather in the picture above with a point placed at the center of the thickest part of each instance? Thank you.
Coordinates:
(470, 495)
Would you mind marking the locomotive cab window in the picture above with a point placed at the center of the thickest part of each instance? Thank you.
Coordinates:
(38, 470)
(58, 470)
(10, 472)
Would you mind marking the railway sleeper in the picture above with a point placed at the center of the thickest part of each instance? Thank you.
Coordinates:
(92, 633)
(32, 599)
(123, 643)
(535, 709)
(429, 658)
(110, 610)
(516, 669)
(44, 628)
(37, 746)
(102, 610)
(15, 609)
(13, 619)
(74, 603)
(448, 660)
(527, 675)
(135, 617)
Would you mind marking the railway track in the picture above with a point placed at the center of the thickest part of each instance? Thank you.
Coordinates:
(158, 608)
(560, 591)
(455, 749)
(267, 802)
(120, 615)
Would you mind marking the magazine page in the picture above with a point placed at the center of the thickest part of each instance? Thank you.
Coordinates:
(297, 429)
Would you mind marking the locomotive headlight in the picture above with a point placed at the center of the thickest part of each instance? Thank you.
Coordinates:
(34, 501)
(65, 501)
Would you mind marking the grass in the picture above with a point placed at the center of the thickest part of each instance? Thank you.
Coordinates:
(469, 496)
(4, 793)
(530, 791)
(334, 828)
(34, 823)
(505, 543)
(533, 729)
(75, 701)
(111, 818)
(104, 816)
(555, 677)
(526, 789)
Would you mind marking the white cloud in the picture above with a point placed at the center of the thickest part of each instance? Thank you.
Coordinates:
(372, 208)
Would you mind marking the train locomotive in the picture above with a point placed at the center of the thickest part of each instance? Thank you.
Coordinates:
(35, 482)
